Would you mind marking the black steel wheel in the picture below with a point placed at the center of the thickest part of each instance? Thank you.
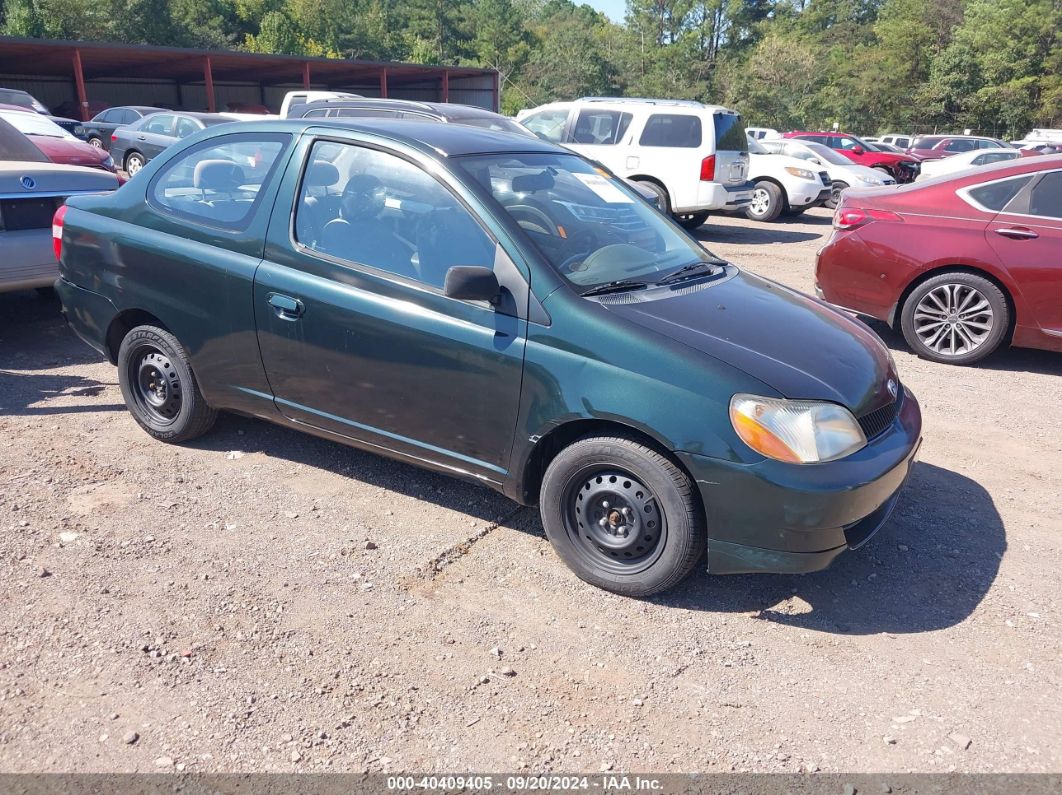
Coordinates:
(159, 388)
(622, 516)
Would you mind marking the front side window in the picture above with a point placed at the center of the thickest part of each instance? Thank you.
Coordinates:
(375, 209)
(997, 195)
(159, 123)
(601, 127)
(846, 143)
(960, 145)
(1046, 197)
(218, 183)
(548, 124)
(587, 224)
(672, 129)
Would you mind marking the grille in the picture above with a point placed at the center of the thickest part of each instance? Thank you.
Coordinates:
(877, 421)
(825, 178)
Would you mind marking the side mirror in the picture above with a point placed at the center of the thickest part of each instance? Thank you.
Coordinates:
(858, 150)
(472, 283)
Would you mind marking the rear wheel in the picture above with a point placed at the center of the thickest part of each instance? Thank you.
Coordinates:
(792, 212)
(159, 387)
(134, 161)
(691, 221)
(767, 202)
(96, 142)
(955, 318)
(835, 194)
(622, 516)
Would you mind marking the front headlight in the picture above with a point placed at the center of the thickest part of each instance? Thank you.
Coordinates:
(109, 162)
(801, 173)
(796, 431)
(870, 180)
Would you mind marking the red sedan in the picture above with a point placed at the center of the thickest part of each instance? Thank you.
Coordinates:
(959, 264)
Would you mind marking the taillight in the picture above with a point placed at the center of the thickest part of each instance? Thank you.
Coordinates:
(57, 231)
(708, 169)
(114, 137)
(852, 217)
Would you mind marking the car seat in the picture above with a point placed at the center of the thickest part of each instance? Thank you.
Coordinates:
(361, 235)
(318, 205)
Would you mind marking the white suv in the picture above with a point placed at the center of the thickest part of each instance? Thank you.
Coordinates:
(694, 156)
(784, 185)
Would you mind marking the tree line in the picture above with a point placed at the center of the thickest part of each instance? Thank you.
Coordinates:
(867, 65)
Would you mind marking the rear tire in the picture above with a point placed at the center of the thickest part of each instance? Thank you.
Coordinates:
(95, 141)
(691, 221)
(159, 388)
(622, 516)
(955, 318)
(767, 202)
(134, 161)
(793, 212)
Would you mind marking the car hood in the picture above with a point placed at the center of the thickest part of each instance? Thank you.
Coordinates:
(771, 163)
(71, 153)
(799, 346)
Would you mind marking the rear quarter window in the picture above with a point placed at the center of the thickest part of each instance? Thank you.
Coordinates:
(730, 132)
(997, 195)
(218, 182)
(673, 129)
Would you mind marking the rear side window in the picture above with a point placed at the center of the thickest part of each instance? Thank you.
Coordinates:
(672, 129)
(994, 157)
(730, 132)
(186, 127)
(601, 127)
(960, 145)
(997, 195)
(160, 123)
(218, 183)
(1046, 197)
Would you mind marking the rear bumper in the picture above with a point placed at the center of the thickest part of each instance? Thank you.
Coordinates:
(88, 314)
(777, 517)
(719, 197)
(27, 260)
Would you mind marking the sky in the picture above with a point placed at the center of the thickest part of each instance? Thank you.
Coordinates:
(615, 9)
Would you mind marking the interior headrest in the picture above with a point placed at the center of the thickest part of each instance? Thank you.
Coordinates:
(321, 174)
(217, 175)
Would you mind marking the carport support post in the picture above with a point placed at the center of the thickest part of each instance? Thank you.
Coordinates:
(497, 91)
(208, 79)
(383, 82)
(79, 81)
(306, 75)
(446, 85)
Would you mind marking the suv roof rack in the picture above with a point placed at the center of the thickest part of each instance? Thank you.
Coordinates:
(409, 103)
(685, 103)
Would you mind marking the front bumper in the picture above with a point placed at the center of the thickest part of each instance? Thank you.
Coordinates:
(785, 518)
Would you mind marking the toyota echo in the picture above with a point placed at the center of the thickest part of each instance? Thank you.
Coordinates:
(497, 308)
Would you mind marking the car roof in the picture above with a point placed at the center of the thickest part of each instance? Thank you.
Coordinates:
(446, 110)
(1015, 167)
(446, 140)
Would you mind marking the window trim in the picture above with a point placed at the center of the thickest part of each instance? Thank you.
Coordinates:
(965, 193)
(371, 270)
(284, 139)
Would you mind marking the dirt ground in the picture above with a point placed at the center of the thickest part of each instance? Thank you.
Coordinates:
(265, 601)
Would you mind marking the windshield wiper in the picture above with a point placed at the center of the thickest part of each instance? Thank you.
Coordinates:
(689, 271)
(621, 285)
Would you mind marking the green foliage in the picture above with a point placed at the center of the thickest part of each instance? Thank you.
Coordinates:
(866, 65)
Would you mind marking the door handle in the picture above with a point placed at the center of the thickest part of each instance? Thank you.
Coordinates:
(141, 137)
(286, 307)
(1017, 233)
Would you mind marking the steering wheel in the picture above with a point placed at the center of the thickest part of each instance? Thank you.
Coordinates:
(568, 266)
(535, 217)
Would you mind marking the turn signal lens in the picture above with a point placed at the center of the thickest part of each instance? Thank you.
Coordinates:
(796, 431)
(852, 218)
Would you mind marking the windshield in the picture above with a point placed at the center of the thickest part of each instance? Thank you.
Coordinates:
(34, 124)
(589, 225)
(827, 154)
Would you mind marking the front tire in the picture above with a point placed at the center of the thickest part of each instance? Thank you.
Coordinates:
(159, 388)
(767, 202)
(95, 142)
(134, 161)
(955, 318)
(622, 516)
(835, 195)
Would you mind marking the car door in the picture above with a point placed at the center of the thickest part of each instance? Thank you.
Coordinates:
(355, 332)
(155, 134)
(1027, 236)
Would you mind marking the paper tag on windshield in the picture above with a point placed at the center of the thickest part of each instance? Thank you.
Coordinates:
(604, 189)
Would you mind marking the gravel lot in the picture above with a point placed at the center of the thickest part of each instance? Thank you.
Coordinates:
(266, 601)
